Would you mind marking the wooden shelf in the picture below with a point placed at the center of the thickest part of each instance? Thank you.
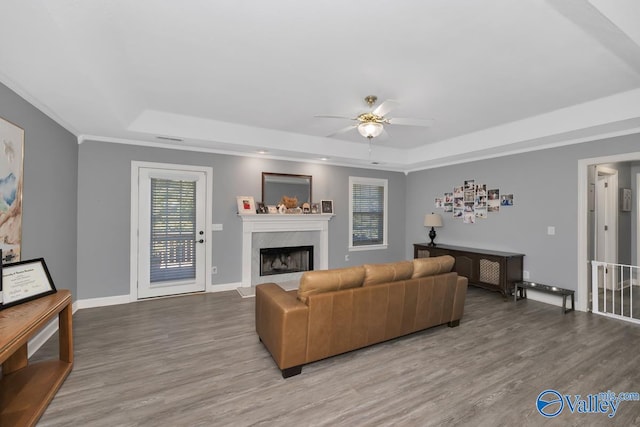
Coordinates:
(26, 389)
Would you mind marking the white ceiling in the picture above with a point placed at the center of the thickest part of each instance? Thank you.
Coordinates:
(240, 76)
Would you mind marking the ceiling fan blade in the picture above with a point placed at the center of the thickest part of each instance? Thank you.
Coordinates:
(388, 105)
(331, 116)
(410, 122)
(341, 131)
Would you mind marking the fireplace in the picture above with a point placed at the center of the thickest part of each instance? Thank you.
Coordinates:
(290, 259)
(272, 231)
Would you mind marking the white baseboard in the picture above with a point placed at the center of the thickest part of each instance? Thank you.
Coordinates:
(224, 287)
(104, 302)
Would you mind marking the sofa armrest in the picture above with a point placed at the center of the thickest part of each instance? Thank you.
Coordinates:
(459, 298)
(281, 324)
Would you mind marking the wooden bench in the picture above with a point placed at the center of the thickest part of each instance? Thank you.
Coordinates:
(523, 286)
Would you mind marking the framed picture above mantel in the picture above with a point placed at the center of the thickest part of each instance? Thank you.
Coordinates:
(278, 186)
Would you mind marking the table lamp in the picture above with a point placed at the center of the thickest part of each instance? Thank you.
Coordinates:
(432, 220)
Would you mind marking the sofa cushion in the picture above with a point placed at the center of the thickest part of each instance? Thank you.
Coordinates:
(315, 282)
(423, 267)
(384, 273)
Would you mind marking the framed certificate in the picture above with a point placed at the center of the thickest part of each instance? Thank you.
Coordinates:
(24, 281)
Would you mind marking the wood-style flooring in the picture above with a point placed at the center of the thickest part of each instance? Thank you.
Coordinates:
(196, 361)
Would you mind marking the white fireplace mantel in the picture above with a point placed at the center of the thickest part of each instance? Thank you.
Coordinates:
(282, 223)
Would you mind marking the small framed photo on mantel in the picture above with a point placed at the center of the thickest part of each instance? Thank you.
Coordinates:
(24, 281)
(326, 206)
(246, 205)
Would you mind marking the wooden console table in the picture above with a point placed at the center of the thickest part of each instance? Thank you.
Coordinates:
(493, 270)
(26, 389)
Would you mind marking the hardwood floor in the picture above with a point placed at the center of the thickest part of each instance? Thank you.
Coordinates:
(196, 361)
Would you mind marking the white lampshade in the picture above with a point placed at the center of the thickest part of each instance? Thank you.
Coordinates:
(432, 220)
(370, 129)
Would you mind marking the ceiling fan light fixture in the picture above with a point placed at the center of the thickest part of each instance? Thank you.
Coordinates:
(370, 129)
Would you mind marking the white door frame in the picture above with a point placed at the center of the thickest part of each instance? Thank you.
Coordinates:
(637, 219)
(133, 260)
(611, 214)
(583, 266)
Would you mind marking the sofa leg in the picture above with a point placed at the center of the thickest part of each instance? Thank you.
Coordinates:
(454, 323)
(289, 372)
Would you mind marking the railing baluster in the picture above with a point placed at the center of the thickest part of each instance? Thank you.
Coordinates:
(621, 282)
(632, 280)
(620, 277)
(595, 296)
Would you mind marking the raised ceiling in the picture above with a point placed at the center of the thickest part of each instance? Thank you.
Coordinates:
(496, 76)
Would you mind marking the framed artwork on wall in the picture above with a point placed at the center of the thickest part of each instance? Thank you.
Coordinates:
(11, 163)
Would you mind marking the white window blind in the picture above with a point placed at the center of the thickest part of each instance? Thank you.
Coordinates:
(173, 230)
(368, 212)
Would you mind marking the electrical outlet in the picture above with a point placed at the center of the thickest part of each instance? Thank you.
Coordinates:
(346, 258)
(525, 274)
(214, 270)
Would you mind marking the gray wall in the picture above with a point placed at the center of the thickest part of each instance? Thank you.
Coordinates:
(544, 185)
(49, 199)
(104, 181)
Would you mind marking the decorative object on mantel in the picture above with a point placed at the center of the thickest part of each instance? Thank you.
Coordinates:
(246, 205)
(432, 220)
(289, 202)
(11, 167)
(315, 208)
(306, 208)
(326, 206)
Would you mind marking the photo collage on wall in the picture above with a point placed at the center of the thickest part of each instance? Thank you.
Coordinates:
(471, 201)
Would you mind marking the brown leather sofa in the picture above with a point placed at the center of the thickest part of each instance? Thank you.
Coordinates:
(336, 311)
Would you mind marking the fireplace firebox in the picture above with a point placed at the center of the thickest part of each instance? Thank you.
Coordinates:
(290, 259)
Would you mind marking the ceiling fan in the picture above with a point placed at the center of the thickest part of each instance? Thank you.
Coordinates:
(371, 124)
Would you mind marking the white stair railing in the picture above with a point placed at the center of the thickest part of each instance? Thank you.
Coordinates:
(612, 290)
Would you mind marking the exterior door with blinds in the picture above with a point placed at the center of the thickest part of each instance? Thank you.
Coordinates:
(171, 232)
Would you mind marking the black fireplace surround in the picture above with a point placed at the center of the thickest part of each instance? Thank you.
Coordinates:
(290, 259)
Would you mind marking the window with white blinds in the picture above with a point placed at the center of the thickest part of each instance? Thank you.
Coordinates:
(173, 230)
(367, 213)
